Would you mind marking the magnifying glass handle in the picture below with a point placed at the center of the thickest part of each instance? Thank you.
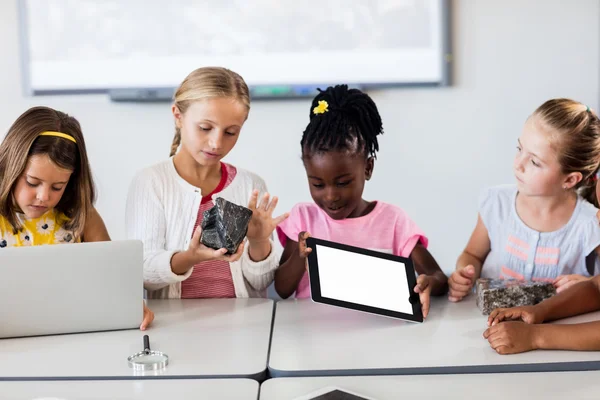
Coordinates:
(146, 344)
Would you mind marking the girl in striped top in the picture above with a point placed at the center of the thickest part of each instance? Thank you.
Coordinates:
(166, 202)
(545, 227)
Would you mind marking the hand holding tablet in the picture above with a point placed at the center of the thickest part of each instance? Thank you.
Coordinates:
(303, 249)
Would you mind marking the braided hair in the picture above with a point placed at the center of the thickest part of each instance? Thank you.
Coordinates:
(342, 119)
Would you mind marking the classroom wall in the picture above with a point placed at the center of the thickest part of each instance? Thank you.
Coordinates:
(440, 147)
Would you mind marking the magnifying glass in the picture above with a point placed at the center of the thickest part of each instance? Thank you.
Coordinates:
(148, 360)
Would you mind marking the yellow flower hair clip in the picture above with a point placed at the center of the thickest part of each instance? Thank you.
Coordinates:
(322, 108)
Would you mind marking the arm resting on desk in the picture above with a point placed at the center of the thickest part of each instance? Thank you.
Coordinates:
(585, 336)
(582, 298)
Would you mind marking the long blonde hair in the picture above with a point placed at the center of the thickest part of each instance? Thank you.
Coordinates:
(23, 140)
(204, 83)
(576, 140)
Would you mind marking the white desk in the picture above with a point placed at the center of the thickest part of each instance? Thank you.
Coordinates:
(531, 386)
(312, 339)
(227, 338)
(157, 389)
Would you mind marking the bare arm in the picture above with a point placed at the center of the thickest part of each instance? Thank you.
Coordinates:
(513, 337)
(507, 336)
(95, 229)
(580, 298)
(426, 264)
(183, 261)
(563, 282)
(477, 249)
(291, 266)
(469, 263)
(569, 337)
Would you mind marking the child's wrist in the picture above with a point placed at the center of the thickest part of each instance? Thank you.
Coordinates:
(538, 339)
(541, 312)
(439, 283)
(258, 241)
(259, 250)
(192, 258)
(182, 261)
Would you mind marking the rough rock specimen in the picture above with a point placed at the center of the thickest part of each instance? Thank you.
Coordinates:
(225, 225)
(505, 293)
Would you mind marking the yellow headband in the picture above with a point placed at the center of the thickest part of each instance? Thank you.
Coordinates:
(59, 134)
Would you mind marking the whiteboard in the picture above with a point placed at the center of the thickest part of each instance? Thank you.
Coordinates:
(280, 47)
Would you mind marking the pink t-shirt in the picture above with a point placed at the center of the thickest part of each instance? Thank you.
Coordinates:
(386, 228)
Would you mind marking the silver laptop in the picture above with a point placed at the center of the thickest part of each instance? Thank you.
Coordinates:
(71, 288)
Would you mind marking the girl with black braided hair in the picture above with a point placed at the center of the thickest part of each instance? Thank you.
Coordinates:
(339, 148)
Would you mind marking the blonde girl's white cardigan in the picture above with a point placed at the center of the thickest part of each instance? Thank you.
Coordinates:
(161, 212)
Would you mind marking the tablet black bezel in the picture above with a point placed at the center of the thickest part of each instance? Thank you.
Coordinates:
(313, 266)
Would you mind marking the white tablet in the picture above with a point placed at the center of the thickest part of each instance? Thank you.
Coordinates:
(333, 393)
(363, 280)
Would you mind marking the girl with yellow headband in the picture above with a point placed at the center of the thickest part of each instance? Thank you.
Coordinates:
(46, 187)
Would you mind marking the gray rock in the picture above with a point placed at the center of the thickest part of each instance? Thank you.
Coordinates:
(505, 293)
(225, 225)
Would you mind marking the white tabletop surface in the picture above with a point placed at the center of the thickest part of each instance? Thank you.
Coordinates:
(156, 389)
(311, 339)
(531, 386)
(203, 339)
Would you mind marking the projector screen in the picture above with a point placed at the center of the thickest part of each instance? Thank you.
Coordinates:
(280, 47)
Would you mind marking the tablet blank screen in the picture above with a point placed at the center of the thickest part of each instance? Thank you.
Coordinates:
(361, 279)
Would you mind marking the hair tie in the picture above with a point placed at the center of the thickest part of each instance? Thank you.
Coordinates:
(59, 134)
(321, 108)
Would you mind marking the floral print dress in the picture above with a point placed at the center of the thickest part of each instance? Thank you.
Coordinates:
(47, 229)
